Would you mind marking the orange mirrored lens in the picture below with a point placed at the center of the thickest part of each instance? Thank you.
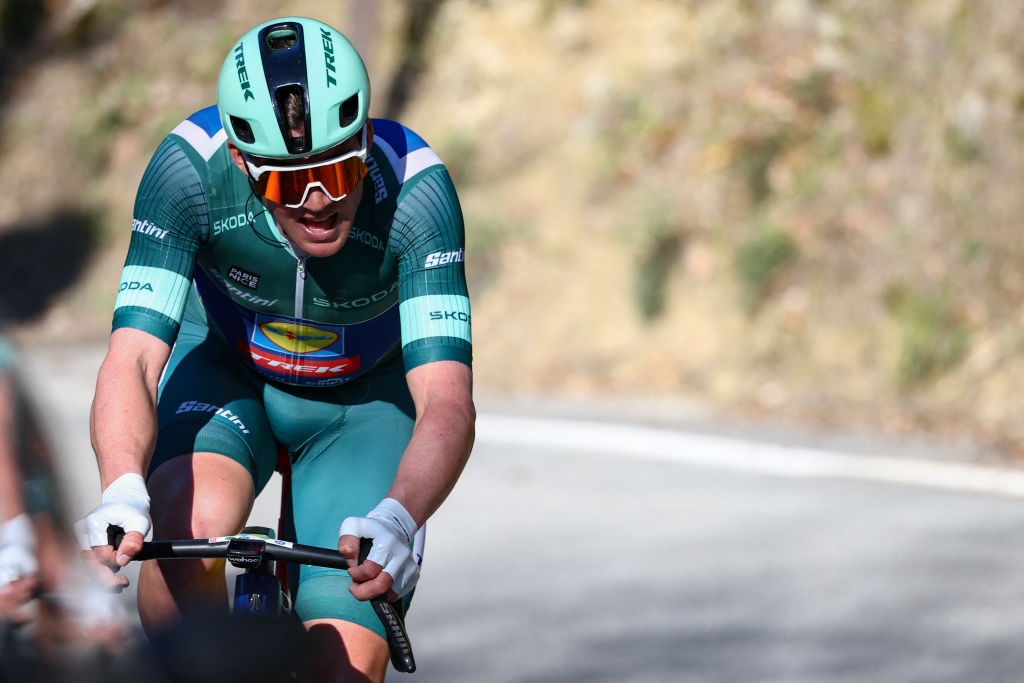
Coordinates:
(288, 187)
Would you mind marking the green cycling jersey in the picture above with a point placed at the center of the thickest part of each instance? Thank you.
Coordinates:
(204, 247)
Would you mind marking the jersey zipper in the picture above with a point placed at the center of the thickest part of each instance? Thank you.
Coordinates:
(300, 292)
(300, 285)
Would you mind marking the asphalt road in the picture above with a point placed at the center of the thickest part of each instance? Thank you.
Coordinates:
(589, 551)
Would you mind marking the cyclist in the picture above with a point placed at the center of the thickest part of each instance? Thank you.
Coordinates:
(295, 276)
(18, 565)
(39, 564)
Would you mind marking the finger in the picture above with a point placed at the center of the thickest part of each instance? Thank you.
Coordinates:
(373, 588)
(102, 569)
(348, 546)
(367, 571)
(10, 602)
(21, 590)
(129, 548)
(101, 554)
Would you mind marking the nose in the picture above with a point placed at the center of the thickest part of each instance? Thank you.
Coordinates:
(316, 199)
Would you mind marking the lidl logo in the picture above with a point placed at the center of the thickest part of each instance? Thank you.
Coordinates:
(298, 338)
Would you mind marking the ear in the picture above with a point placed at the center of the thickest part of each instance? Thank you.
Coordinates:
(236, 156)
(369, 133)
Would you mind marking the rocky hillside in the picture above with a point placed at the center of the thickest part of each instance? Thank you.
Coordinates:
(803, 211)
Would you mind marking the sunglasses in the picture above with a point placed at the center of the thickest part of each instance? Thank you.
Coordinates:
(290, 185)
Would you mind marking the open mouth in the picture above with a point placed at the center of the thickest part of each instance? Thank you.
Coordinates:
(321, 228)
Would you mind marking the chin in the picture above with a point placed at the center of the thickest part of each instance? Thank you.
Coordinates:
(325, 247)
(322, 249)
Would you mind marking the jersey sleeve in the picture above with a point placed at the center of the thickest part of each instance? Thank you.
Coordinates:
(169, 222)
(434, 300)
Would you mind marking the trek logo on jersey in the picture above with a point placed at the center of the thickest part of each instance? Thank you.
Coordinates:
(334, 368)
(148, 229)
(243, 73)
(329, 58)
(442, 259)
(298, 338)
(198, 407)
(135, 286)
(244, 277)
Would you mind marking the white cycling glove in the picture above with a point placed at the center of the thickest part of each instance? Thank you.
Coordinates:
(391, 528)
(17, 549)
(125, 503)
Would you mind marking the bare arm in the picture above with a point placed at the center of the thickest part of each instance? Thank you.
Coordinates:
(11, 503)
(123, 420)
(442, 437)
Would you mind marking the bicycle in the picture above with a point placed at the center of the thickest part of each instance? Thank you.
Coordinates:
(259, 588)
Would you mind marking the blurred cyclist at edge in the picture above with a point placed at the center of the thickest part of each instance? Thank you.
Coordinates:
(69, 617)
(295, 276)
(19, 575)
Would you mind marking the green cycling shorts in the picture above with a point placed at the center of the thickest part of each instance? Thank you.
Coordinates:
(345, 444)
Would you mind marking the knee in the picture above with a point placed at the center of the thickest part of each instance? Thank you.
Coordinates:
(193, 499)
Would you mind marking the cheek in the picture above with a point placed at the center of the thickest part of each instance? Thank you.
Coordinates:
(284, 218)
(348, 210)
(279, 213)
(350, 204)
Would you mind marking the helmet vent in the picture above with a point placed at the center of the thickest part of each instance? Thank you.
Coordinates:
(282, 38)
(243, 131)
(291, 102)
(349, 111)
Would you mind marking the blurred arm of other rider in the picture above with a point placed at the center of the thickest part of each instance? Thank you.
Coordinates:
(18, 567)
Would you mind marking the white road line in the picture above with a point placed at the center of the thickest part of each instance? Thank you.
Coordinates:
(719, 452)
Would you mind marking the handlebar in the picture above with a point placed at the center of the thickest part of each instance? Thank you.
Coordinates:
(251, 550)
(226, 547)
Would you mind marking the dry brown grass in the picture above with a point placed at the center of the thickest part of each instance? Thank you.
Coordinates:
(629, 171)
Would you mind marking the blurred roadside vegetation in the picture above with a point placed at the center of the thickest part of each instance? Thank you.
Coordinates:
(792, 209)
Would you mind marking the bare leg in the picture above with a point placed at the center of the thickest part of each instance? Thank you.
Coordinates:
(347, 652)
(193, 496)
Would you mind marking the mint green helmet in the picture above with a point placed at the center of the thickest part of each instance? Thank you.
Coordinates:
(287, 56)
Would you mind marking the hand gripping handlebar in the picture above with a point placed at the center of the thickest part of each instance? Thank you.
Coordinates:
(257, 548)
